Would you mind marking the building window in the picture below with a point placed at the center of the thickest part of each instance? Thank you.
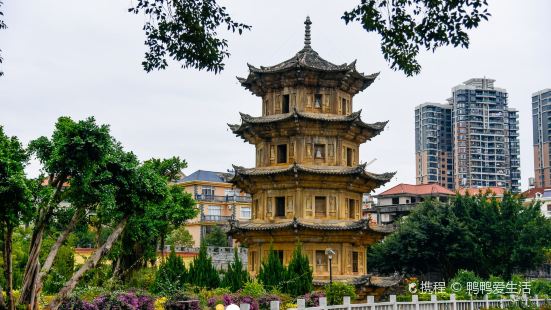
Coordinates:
(319, 151)
(351, 208)
(321, 206)
(343, 106)
(280, 206)
(321, 261)
(355, 261)
(215, 210)
(282, 154)
(207, 191)
(395, 200)
(245, 212)
(317, 100)
(285, 104)
(348, 156)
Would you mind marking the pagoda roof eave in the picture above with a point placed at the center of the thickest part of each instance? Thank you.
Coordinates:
(299, 224)
(354, 119)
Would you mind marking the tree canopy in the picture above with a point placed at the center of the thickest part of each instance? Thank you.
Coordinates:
(189, 32)
(479, 233)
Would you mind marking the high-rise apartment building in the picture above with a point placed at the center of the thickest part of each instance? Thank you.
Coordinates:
(541, 123)
(482, 142)
(433, 144)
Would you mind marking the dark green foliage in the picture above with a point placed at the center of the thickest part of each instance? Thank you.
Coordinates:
(180, 236)
(171, 275)
(337, 290)
(217, 237)
(272, 272)
(61, 271)
(476, 233)
(236, 276)
(407, 26)
(298, 274)
(185, 31)
(202, 272)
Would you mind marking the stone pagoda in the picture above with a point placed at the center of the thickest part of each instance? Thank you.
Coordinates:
(308, 181)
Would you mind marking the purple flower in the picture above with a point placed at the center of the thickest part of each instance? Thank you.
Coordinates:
(211, 302)
(228, 299)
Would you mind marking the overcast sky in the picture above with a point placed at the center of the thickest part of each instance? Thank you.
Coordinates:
(82, 58)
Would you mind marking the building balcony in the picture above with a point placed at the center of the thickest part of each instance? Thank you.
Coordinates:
(214, 198)
(216, 218)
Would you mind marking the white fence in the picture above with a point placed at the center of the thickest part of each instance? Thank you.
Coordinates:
(415, 304)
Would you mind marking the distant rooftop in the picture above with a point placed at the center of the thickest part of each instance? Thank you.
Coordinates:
(207, 176)
(418, 189)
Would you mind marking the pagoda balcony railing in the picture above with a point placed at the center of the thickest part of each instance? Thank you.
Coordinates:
(216, 218)
(216, 198)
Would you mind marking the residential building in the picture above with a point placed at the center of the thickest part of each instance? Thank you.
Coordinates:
(542, 195)
(401, 199)
(475, 134)
(541, 124)
(485, 136)
(218, 202)
(433, 144)
(494, 192)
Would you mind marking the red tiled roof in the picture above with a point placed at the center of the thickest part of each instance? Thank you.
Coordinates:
(531, 193)
(496, 191)
(419, 189)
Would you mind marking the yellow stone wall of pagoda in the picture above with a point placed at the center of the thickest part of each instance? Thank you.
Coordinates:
(302, 203)
(311, 150)
(332, 101)
(348, 261)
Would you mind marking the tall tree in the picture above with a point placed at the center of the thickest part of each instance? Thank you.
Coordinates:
(70, 157)
(272, 271)
(216, 237)
(15, 201)
(298, 274)
(202, 272)
(479, 233)
(128, 188)
(143, 233)
(236, 276)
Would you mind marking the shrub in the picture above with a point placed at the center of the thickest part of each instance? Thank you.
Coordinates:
(298, 274)
(75, 303)
(264, 301)
(171, 275)
(312, 299)
(272, 271)
(125, 301)
(217, 237)
(253, 288)
(337, 290)
(202, 272)
(541, 288)
(236, 276)
(143, 278)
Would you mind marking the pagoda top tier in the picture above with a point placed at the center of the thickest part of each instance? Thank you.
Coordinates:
(308, 69)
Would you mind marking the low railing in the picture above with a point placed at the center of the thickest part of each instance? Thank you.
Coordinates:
(215, 198)
(415, 304)
(215, 218)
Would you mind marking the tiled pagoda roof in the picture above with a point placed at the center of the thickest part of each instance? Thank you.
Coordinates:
(248, 122)
(295, 168)
(340, 225)
(308, 60)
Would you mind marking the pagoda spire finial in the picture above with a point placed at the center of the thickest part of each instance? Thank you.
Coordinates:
(307, 39)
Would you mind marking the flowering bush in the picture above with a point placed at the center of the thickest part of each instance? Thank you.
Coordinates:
(76, 304)
(313, 299)
(264, 301)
